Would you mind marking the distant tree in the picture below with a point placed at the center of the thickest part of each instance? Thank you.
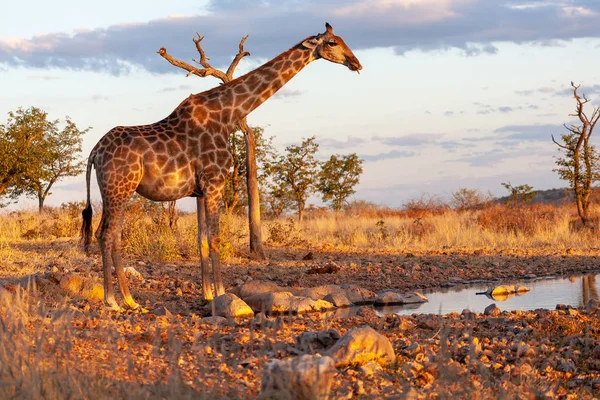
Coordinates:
(469, 199)
(46, 152)
(337, 179)
(21, 142)
(519, 194)
(580, 164)
(293, 175)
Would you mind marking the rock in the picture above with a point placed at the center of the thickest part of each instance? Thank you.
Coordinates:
(132, 272)
(162, 312)
(79, 286)
(251, 288)
(212, 321)
(303, 378)
(228, 305)
(270, 302)
(358, 295)
(366, 312)
(467, 314)
(492, 310)
(319, 292)
(338, 299)
(317, 341)
(506, 290)
(370, 368)
(360, 346)
(400, 298)
(300, 305)
(572, 312)
(309, 256)
(329, 268)
(522, 289)
(592, 305)
(281, 302)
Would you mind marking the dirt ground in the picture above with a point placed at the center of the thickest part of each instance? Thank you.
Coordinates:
(538, 354)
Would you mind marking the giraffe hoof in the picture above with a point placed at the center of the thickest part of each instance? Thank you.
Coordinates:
(112, 305)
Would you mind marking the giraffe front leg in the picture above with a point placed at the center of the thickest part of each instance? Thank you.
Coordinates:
(214, 239)
(203, 248)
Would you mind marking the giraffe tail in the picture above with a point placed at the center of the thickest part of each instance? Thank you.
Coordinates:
(86, 225)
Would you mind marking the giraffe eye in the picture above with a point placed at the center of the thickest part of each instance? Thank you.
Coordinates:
(332, 44)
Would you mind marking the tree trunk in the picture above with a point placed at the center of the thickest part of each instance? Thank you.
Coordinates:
(300, 212)
(256, 246)
(41, 199)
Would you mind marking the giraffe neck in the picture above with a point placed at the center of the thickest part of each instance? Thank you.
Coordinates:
(244, 94)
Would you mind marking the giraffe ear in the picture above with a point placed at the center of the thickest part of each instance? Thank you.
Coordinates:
(311, 43)
(328, 28)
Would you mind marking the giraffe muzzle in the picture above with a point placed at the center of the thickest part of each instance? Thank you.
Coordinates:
(353, 64)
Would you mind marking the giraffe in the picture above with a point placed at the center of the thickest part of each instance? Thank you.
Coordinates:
(186, 154)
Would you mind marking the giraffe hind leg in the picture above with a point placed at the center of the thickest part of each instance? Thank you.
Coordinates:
(213, 201)
(105, 239)
(203, 248)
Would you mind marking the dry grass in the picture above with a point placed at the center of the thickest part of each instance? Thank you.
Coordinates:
(147, 236)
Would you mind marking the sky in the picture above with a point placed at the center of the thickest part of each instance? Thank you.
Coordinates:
(453, 93)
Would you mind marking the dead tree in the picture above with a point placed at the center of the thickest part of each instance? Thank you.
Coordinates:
(580, 163)
(256, 247)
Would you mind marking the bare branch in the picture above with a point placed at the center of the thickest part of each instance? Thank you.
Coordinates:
(181, 64)
(238, 57)
(560, 145)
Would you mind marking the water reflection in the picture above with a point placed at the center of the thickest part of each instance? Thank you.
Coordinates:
(574, 291)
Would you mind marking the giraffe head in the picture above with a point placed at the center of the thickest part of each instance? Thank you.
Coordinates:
(332, 48)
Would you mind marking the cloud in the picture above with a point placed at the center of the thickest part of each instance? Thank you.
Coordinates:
(175, 88)
(351, 141)
(287, 93)
(413, 140)
(505, 109)
(43, 77)
(529, 132)
(387, 156)
(404, 25)
(98, 97)
(491, 158)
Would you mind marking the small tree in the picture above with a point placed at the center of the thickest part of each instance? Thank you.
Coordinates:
(337, 179)
(469, 199)
(293, 175)
(236, 192)
(49, 153)
(519, 194)
(580, 162)
(21, 143)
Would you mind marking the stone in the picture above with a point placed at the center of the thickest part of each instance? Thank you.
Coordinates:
(505, 290)
(281, 302)
(309, 342)
(212, 321)
(522, 289)
(132, 272)
(228, 305)
(162, 312)
(303, 378)
(369, 369)
(338, 299)
(319, 292)
(270, 302)
(358, 295)
(592, 305)
(492, 310)
(400, 298)
(361, 345)
(300, 305)
(251, 288)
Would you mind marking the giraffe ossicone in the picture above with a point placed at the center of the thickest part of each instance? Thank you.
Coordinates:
(186, 154)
